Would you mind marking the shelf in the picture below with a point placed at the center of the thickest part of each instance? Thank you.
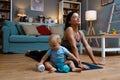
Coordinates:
(5, 14)
(115, 21)
(6, 9)
(3, 1)
(71, 9)
(66, 7)
(72, 2)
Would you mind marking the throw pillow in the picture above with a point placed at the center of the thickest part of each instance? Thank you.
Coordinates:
(30, 30)
(43, 30)
(56, 30)
(20, 29)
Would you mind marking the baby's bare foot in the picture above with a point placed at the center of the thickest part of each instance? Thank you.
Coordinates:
(76, 70)
(52, 70)
(83, 66)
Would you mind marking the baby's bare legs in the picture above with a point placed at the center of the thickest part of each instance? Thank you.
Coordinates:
(72, 66)
(49, 66)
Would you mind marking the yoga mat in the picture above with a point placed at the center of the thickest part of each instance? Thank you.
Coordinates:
(92, 66)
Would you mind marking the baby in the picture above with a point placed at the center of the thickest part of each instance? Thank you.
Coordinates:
(57, 54)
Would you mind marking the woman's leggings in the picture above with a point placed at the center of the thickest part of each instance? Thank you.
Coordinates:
(37, 55)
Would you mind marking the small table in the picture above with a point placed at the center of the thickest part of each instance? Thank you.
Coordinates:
(103, 48)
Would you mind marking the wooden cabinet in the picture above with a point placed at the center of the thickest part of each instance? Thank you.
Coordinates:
(6, 10)
(66, 6)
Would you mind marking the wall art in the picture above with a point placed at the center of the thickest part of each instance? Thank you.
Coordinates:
(37, 5)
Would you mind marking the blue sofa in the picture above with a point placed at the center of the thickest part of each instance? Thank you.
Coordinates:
(15, 40)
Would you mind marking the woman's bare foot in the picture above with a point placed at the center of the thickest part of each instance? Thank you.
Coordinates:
(27, 53)
(76, 70)
(52, 70)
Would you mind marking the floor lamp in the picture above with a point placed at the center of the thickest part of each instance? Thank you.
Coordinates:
(91, 15)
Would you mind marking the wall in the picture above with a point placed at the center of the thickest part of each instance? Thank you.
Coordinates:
(50, 8)
(103, 15)
(84, 7)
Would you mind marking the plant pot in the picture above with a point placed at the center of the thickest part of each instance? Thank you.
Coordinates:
(114, 32)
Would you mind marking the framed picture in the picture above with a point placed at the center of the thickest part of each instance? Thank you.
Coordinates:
(37, 5)
(105, 2)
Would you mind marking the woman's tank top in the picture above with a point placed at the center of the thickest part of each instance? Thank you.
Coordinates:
(67, 45)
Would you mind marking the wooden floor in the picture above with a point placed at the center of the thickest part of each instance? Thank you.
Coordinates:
(20, 67)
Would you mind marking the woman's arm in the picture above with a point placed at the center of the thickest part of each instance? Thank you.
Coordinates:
(89, 49)
(76, 59)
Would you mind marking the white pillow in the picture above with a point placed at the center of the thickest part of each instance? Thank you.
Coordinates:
(56, 30)
(30, 30)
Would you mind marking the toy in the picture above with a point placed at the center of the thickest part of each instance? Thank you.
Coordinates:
(66, 68)
(41, 67)
(63, 68)
(100, 32)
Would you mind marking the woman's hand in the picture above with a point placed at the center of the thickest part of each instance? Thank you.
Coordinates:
(98, 63)
(78, 61)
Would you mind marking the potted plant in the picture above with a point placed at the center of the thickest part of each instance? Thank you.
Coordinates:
(114, 31)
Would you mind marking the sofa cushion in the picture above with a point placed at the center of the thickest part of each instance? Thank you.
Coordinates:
(30, 30)
(43, 30)
(28, 39)
(11, 25)
(56, 30)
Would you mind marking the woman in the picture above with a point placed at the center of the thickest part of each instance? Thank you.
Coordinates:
(73, 36)
(71, 40)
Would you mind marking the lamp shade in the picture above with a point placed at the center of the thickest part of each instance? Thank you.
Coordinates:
(90, 15)
(21, 12)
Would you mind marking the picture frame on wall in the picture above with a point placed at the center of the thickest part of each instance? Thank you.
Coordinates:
(37, 5)
(106, 2)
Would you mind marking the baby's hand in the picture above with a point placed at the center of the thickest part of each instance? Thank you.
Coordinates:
(38, 64)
